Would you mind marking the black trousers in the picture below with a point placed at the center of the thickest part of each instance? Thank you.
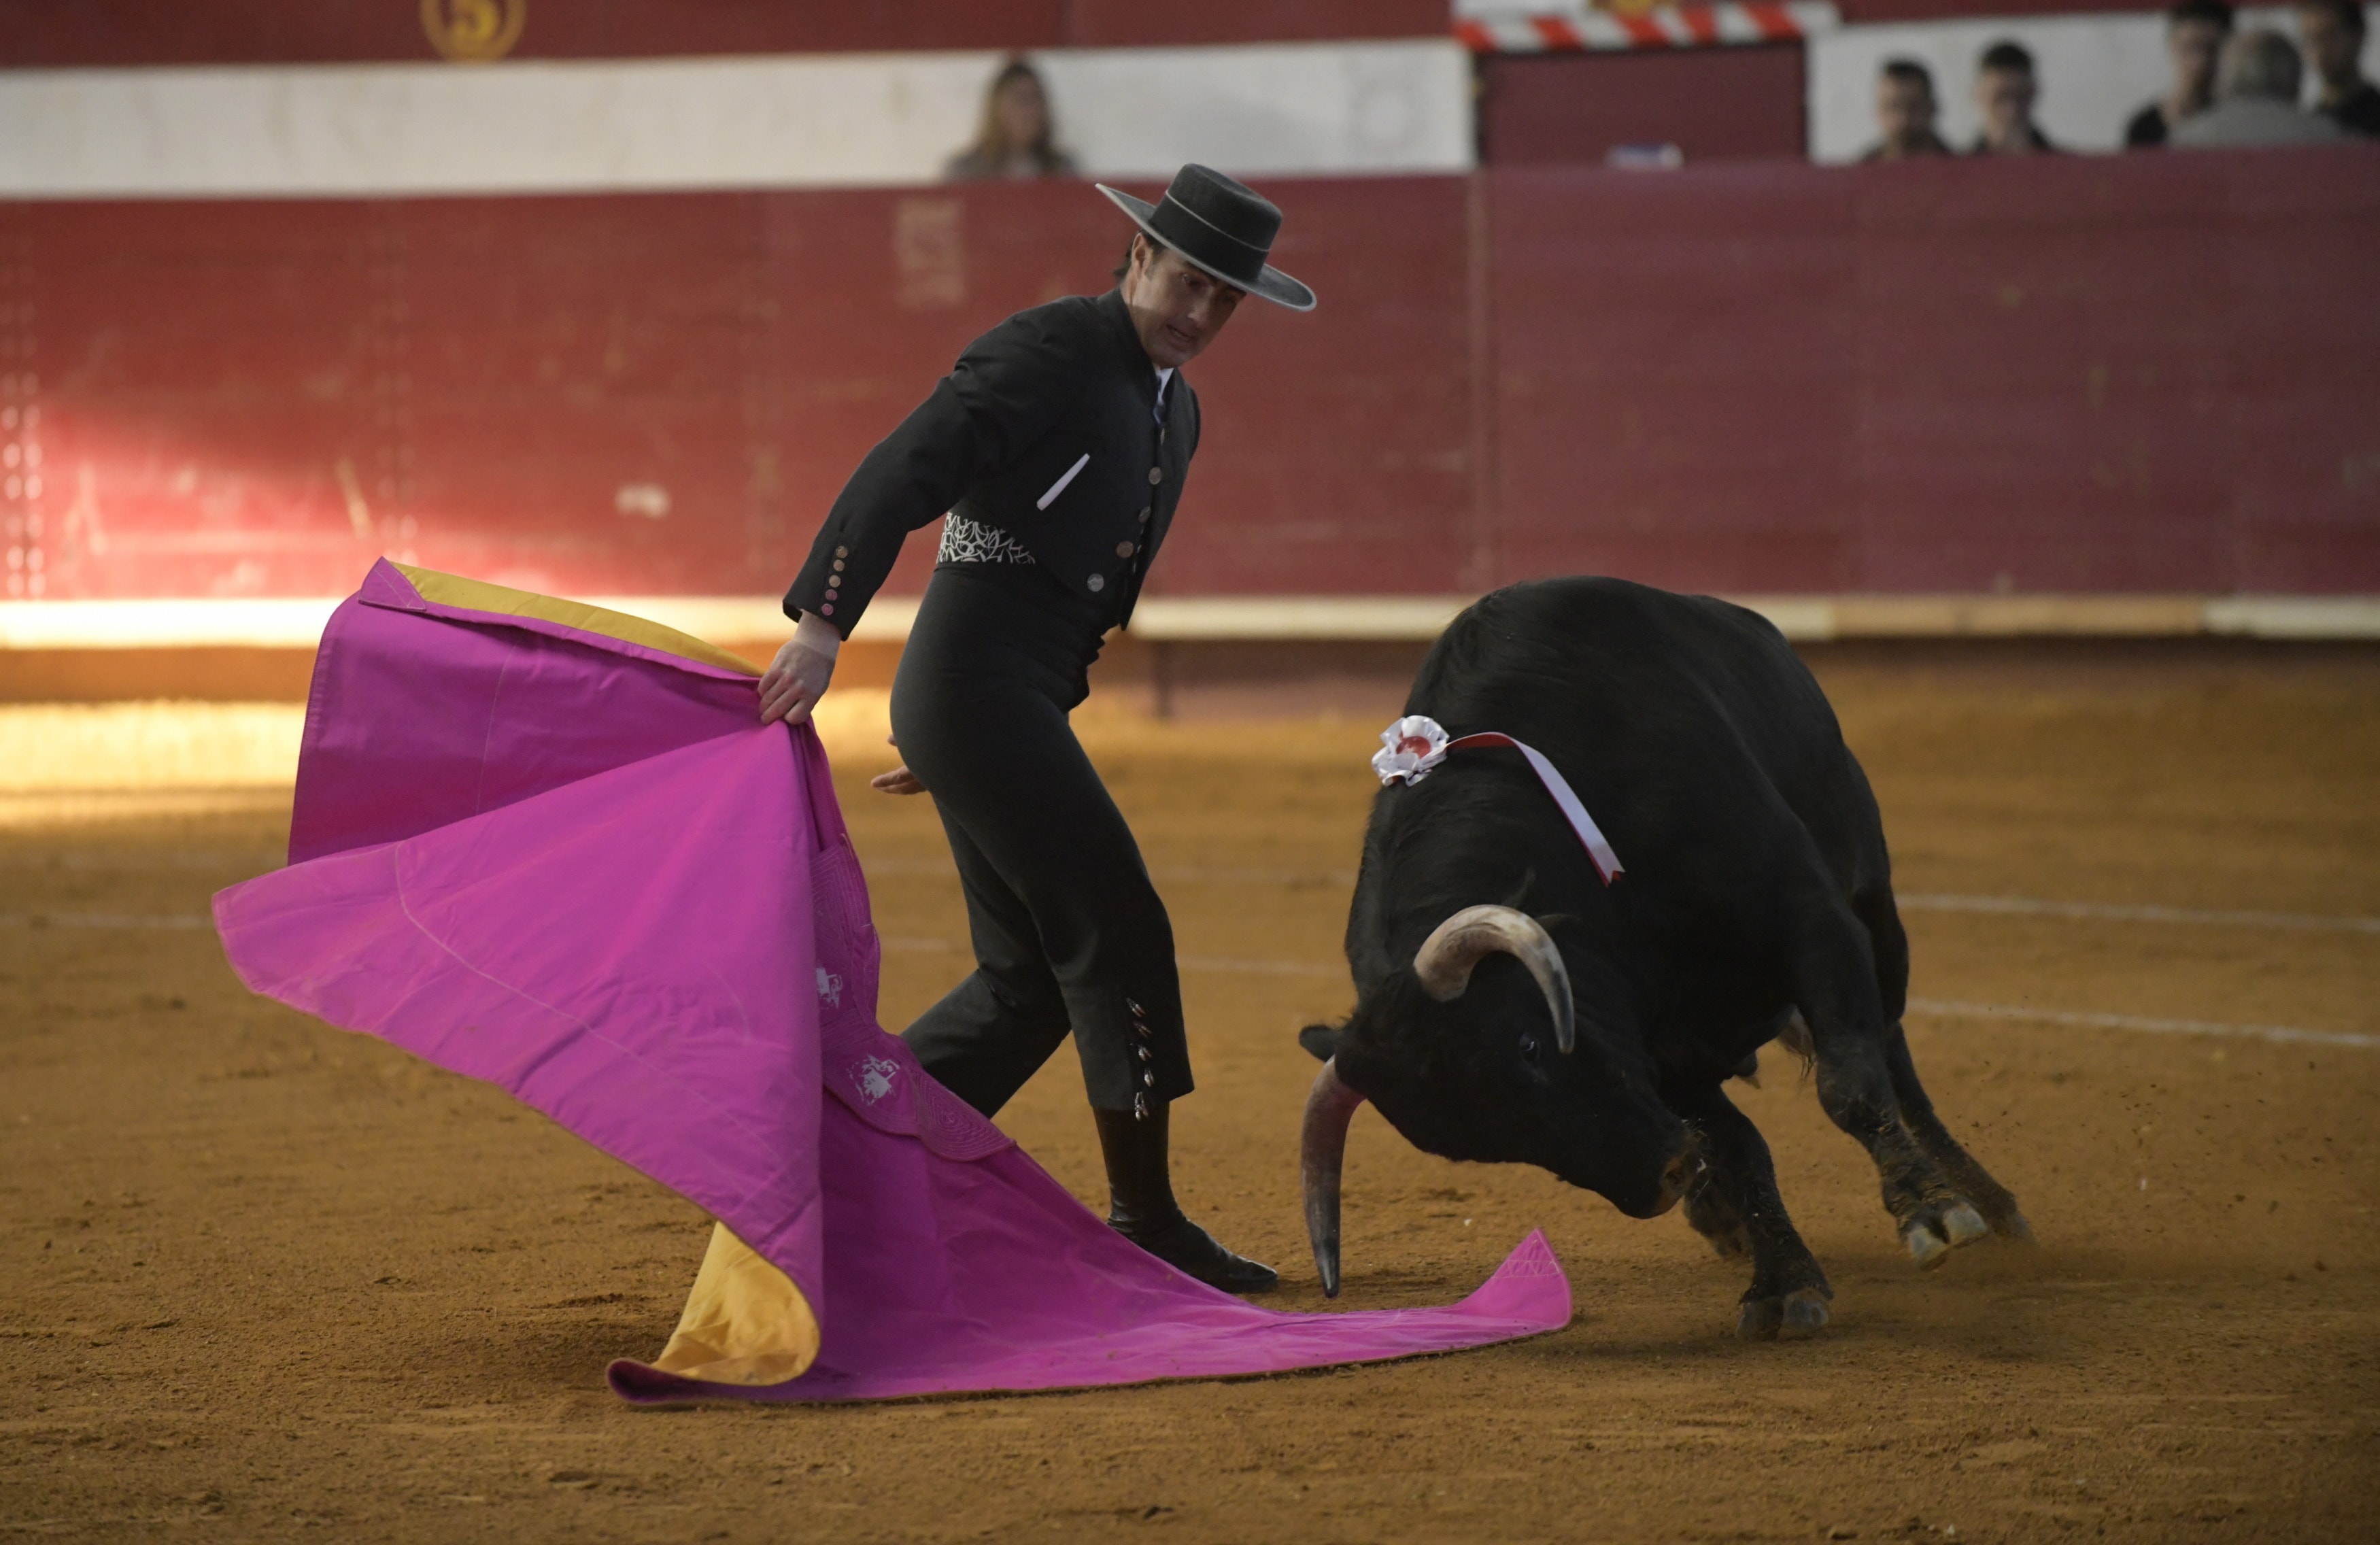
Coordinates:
(1069, 934)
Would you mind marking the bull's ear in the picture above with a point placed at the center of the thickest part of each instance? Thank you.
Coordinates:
(1319, 1040)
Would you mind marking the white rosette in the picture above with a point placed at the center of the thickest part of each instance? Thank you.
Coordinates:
(1409, 748)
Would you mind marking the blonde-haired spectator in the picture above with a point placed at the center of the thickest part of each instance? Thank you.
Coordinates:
(1017, 135)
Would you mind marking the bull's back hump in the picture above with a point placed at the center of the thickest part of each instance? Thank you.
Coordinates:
(1589, 630)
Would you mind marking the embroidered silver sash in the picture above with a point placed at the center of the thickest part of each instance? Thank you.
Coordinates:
(973, 541)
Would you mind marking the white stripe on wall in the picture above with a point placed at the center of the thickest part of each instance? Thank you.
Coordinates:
(764, 121)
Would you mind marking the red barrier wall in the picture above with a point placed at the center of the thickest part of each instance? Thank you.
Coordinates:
(257, 397)
(2145, 373)
(55, 32)
(64, 33)
(2134, 373)
(1713, 103)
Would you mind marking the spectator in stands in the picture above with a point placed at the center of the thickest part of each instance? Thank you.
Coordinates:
(2194, 34)
(2005, 91)
(1017, 137)
(2333, 30)
(1905, 110)
(2255, 99)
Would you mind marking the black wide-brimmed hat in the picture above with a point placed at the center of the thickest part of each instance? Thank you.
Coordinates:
(1218, 226)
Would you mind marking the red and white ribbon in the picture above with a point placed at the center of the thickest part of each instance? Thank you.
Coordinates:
(1413, 746)
(1570, 26)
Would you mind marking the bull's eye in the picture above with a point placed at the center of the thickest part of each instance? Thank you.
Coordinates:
(1529, 1047)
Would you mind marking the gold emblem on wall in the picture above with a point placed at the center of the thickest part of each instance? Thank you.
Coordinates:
(474, 32)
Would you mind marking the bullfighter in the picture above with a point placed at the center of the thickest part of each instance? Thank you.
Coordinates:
(1054, 454)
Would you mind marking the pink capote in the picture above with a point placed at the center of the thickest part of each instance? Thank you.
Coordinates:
(574, 865)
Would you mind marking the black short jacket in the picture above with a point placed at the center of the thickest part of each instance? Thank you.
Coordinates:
(1045, 429)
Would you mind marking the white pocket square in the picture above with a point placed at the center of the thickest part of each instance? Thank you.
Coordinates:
(1059, 487)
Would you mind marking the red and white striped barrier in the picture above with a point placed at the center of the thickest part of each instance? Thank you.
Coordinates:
(1500, 26)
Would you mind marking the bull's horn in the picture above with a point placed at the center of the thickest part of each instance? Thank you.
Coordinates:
(1322, 1153)
(1446, 958)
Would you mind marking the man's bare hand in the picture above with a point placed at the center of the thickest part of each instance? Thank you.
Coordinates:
(900, 780)
(796, 680)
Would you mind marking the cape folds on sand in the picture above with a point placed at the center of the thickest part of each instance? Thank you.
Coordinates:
(549, 846)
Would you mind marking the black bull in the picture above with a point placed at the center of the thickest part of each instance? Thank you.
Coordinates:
(1757, 886)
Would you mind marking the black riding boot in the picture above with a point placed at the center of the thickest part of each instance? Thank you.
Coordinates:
(1143, 1209)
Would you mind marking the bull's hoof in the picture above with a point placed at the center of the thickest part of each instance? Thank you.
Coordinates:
(1932, 1234)
(1795, 1316)
(1806, 1314)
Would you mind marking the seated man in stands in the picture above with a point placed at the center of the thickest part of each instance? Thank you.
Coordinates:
(2195, 35)
(1905, 111)
(2333, 30)
(2005, 91)
(2255, 100)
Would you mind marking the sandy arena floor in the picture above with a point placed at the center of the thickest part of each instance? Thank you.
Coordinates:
(258, 1276)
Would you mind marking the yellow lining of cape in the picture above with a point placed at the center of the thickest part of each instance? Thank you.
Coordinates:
(478, 595)
(745, 1320)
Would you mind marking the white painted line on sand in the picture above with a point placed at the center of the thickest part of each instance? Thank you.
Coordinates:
(1195, 874)
(2310, 922)
(1266, 967)
(918, 943)
(104, 919)
(2285, 1034)
(1915, 901)
(143, 861)
(1940, 1008)
(1292, 877)
(915, 943)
